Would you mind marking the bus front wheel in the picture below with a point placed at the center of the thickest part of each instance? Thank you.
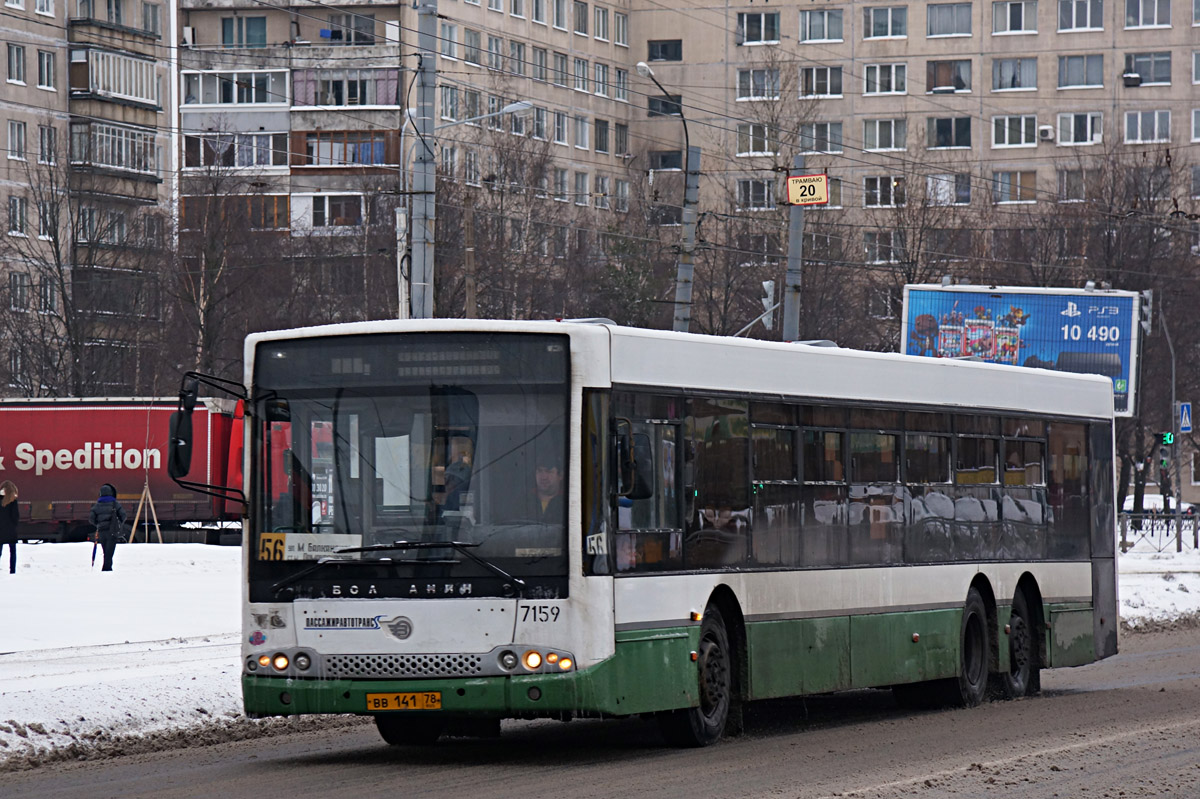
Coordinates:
(705, 724)
(409, 730)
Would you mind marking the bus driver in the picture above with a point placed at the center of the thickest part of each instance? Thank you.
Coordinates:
(548, 486)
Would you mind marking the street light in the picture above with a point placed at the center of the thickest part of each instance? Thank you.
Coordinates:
(691, 190)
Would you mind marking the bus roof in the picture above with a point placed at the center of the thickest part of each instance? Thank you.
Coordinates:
(641, 356)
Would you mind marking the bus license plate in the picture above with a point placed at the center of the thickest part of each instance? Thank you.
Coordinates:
(416, 700)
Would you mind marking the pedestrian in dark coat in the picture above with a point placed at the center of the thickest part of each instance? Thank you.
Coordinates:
(10, 514)
(108, 517)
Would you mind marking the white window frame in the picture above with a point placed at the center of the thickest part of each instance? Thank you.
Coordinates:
(1002, 15)
(956, 10)
(582, 127)
(943, 190)
(817, 132)
(621, 196)
(1025, 130)
(600, 23)
(516, 8)
(44, 7)
(1195, 125)
(873, 240)
(582, 76)
(18, 217)
(1149, 60)
(897, 74)
(750, 134)
(17, 140)
(1066, 121)
(1090, 9)
(583, 188)
(621, 85)
(1011, 183)
(602, 191)
(449, 46)
(620, 29)
(811, 77)
(16, 64)
(600, 79)
(47, 67)
(825, 15)
(874, 134)
(560, 128)
(1084, 57)
(537, 11)
(892, 13)
(756, 194)
(1161, 118)
(769, 83)
(886, 190)
(1019, 64)
(743, 18)
(561, 14)
(47, 144)
(1154, 7)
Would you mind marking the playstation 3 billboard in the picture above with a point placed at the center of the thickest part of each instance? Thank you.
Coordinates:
(1069, 330)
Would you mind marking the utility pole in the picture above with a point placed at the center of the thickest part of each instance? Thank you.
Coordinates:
(424, 182)
(403, 266)
(1174, 434)
(685, 269)
(795, 265)
(471, 311)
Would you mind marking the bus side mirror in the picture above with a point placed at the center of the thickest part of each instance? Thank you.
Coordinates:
(635, 462)
(179, 446)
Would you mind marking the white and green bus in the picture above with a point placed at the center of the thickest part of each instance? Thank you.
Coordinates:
(453, 522)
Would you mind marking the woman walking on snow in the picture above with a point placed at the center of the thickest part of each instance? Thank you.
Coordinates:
(10, 514)
(108, 517)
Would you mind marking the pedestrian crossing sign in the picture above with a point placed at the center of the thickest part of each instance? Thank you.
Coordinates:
(1185, 417)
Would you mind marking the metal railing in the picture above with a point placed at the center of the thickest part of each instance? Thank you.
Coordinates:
(1159, 530)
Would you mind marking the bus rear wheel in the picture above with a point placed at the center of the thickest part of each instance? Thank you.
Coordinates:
(970, 688)
(1024, 672)
(705, 724)
(409, 730)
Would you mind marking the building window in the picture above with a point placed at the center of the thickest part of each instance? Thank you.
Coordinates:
(948, 76)
(1082, 128)
(561, 72)
(602, 142)
(560, 14)
(343, 87)
(821, 26)
(1147, 13)
(621, 196)
(1080, 71)
(581, 75)
(48, 294)
(243, 31)
(16, 63)
(601, 191)
(758, 84)
(949, 19)
(1014, 131)
(539, 64)
(449, 104)
(581, 188)
(44, 7)
(1195, 182)
(621, 28)
(1195, 125)
(471, 174)
(1014, 187)
(621, 85)
(581, 133)
(337, 210)
(449, 160)
(756, 194)
(821, 137)
(343, 148)
(560, 127)
(1146, 127)
(152, 18)
(755, 138)
(47, 144)
(472, 47)
(470, 107)
(1014, 73)
(351, 29)
(820, 81)
(16, 140)
(883, 246)
(516, 58)
(1080, 15)
(18, 285)
(538, 13)
(1014, 16)
(1072, 185)
(663, 160)
(47, 219)
(600, 79)
(540, 118)
(236, 149)
(560, 184)
(495, 53)
(496, 5)
(620, 139)
(884, 191)
(517, 8)
(665, 50)
(949, 189)
(885, 23)
(669, 105)
(449, 40)
(46, 70)
(235, 88)
(885, 79)
(16, 216)
(758, 28)
(600, 19)
(581, 18)
(1153, 68)
(948, 132)
(885, 134)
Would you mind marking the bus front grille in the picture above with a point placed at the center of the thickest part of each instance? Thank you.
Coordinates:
(399, 666)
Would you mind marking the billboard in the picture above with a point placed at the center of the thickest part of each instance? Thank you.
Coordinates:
(1069, 330)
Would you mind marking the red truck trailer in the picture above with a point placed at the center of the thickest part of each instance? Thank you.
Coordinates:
(59, 452)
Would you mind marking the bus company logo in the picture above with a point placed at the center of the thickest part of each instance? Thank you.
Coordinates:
(258, 638)
(400, 627)
(343, 623)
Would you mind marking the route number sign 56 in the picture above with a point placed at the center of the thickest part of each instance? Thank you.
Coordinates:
(808, 189)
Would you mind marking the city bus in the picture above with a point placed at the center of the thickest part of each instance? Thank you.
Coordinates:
(453, 522)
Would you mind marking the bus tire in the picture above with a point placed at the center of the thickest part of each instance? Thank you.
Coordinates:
(705, 724)
(400, 730)
(1023, 677)
(970, 688)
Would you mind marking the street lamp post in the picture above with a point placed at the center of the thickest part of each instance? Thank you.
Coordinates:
(424, 208)
(686, 262)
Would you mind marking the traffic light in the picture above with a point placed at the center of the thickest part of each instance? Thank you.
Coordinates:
(1146, 315)
(768, 302)
(1168, 439)
(1163, 457)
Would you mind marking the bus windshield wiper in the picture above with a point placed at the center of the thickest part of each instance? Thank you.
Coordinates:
(461, 547)
(320, 564)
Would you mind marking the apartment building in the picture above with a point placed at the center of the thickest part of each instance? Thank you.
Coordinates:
(88, 125)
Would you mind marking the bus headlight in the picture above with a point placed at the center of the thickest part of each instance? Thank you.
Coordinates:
(565, 664)
(532, 659)
(302, 661)
(264, 660)
(280, 662)
(508, 660)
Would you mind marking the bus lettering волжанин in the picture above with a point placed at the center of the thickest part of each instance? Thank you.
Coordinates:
(742, 520)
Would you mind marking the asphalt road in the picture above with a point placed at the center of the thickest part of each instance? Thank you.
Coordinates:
(1126, 727)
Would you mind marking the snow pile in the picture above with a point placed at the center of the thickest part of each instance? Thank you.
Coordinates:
(90, 657)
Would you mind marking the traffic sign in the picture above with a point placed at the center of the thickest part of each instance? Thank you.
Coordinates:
(808, 189)
(1185, 417)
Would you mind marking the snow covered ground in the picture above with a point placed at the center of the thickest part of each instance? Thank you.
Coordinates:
(87, 657)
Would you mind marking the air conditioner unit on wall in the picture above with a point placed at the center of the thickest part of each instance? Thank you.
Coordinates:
(189, 36)
(1046, 132)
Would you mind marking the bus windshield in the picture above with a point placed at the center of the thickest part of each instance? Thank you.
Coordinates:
(389, 445)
